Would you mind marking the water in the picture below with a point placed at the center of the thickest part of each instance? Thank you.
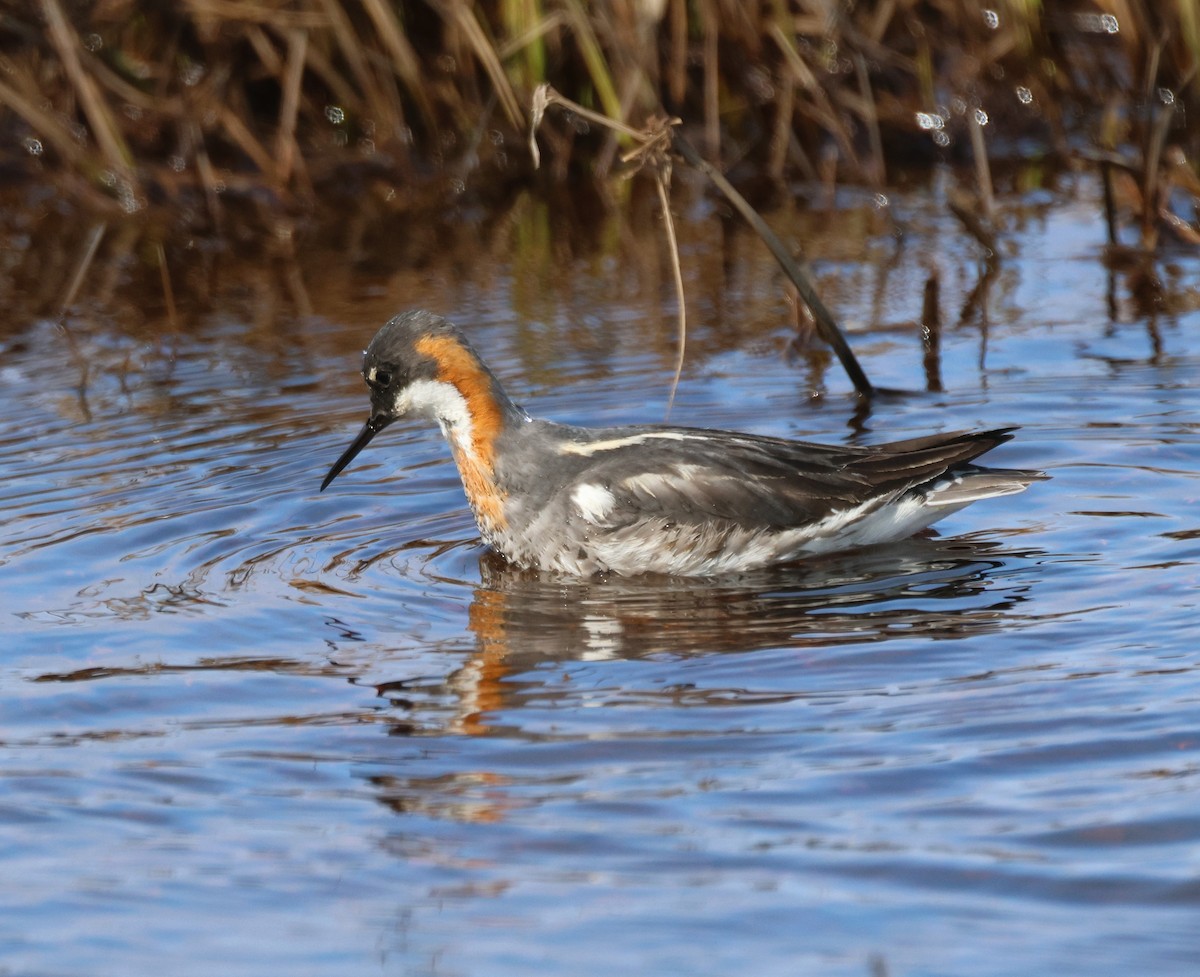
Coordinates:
(249, 727)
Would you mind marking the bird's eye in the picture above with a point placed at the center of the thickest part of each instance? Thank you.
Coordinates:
(383, 377)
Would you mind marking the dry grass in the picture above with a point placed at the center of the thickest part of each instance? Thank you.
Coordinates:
(138, 101)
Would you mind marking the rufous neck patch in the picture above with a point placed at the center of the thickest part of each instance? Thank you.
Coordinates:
(460, 368)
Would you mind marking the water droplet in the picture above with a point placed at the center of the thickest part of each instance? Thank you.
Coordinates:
(446, 63)
(405, 136)
(496, 137)
(1166, 96)
(33, 146)
(93, 42)
(991, 19)
(335, 114)
(930, 121)
(881, 200)
(1024, 95)
(1089, 23)
(177, 163)
(958, 106)
(192, 73)
(458, 186)
(130, 203)
(981, 117)
(941, 138)
(219, 186)
(132, 112)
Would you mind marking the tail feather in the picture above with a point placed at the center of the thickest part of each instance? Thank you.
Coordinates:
(973, 484)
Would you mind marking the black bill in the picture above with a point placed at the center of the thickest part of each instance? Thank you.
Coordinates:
(373, 426)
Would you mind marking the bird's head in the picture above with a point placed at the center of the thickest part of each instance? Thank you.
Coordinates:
(420, 364)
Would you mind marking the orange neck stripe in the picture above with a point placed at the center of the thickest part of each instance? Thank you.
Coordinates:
(458, 367)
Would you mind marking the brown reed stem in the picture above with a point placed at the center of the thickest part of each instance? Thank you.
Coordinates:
(104, 128)
(165, 276)
(287, 152)
(662, 182)
(91, 246)
(983, 171)
(827, 326)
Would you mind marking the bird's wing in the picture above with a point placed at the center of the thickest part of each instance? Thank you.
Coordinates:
(697, 476)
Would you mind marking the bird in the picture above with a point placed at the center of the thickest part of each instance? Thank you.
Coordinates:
(658, 499)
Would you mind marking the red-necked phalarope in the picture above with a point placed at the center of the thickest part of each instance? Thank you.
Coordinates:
(659, 499)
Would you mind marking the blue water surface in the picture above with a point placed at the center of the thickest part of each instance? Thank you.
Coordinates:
(249, 728)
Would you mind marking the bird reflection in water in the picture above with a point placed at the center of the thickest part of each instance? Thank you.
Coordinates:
(522, 620)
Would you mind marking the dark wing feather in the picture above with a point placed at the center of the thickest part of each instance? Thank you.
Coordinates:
(768, 482)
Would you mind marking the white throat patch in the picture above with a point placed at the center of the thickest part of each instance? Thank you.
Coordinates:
(443, 403)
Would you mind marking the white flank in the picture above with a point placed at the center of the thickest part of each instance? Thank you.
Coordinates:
(662, 547)
(871, 523)
(594, 502)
